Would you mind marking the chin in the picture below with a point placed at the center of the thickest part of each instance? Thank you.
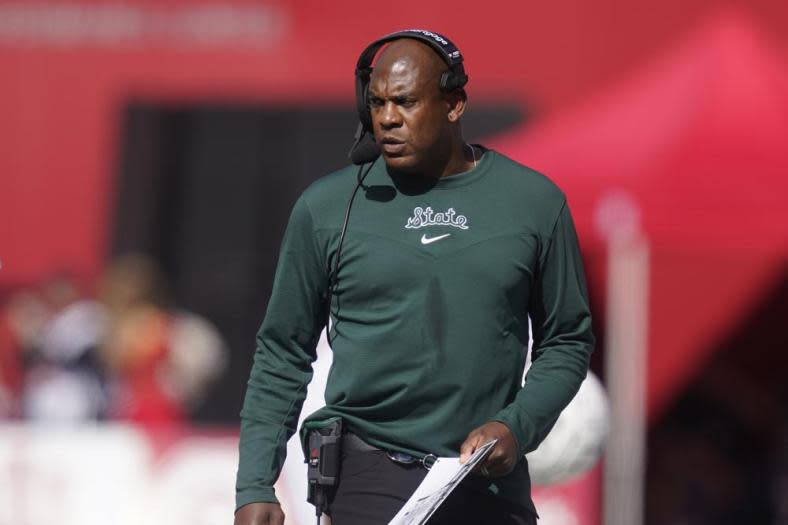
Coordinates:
(404, 164)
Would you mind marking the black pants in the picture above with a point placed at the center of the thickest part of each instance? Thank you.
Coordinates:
(372, 489)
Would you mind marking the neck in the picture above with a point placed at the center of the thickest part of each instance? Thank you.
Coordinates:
(462, 158)
(456, 157)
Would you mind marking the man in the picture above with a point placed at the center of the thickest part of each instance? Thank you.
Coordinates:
(449, 249)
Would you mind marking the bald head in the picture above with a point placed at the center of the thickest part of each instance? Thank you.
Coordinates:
(407, 55)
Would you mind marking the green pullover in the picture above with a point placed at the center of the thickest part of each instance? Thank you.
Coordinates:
(436, 282)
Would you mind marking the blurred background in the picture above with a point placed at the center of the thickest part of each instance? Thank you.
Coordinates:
(150, 152)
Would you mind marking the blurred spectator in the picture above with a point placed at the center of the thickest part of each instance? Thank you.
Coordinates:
(162, 360)
(65, 383)
(24, 323)
(127, 355)
(52, 342)
(21, 323)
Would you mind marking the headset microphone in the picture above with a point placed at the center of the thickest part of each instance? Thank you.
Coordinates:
(365, 149)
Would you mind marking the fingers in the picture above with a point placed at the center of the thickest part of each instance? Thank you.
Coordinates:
(499, 463)
(278, 518)
(260, 514)
(503, 456)
(275, 518)
(489, 466)
(493, 466)
(469, 446)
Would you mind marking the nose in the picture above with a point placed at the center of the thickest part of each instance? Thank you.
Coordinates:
(389, 116)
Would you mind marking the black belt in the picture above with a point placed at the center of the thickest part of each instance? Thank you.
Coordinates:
(353, 443)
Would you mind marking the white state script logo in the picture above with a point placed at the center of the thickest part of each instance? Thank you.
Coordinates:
(428, 217)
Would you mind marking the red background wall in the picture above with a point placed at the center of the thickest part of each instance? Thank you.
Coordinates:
(64, 83)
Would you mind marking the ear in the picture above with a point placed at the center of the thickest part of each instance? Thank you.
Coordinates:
(456, 101)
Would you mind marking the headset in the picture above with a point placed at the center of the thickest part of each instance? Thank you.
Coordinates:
(364, 148)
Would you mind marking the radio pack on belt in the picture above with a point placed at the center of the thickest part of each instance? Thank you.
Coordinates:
(323, 463)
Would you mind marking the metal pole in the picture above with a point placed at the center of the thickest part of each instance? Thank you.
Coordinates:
(626, 352)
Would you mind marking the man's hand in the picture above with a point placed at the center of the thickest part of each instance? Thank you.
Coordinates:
(504, 455)
(260, 514)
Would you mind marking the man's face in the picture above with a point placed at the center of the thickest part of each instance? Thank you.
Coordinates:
(409, 112)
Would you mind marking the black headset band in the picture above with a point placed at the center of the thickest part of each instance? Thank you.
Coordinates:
(442, 46)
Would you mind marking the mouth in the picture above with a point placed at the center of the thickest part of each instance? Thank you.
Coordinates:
(392, 145)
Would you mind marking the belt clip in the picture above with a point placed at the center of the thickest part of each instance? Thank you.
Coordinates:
(428, 461)
(406, 459)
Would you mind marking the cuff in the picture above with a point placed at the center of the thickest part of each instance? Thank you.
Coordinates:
(254, 495)
(521, 427)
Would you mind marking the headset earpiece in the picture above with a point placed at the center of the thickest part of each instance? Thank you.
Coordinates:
(451, 80)
(366, 115)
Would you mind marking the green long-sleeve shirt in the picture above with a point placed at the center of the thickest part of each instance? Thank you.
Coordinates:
(436, 282)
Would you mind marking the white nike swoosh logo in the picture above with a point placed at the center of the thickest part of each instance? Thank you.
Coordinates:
(428, 240)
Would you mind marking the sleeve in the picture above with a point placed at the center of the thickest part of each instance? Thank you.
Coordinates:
(283, 360)
(562, 338)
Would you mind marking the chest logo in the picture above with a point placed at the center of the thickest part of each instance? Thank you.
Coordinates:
(430, 240)
(427, 217)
